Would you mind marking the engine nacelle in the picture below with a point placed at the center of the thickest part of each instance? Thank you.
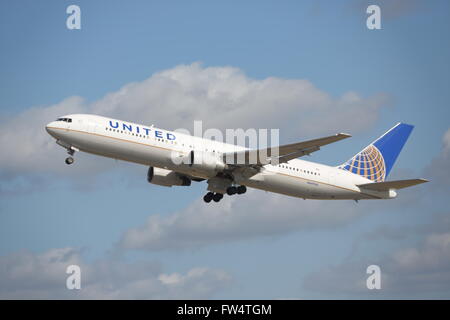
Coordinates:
(205, 163)
(166, 178)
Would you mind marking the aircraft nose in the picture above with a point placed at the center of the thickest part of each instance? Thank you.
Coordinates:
(50, 129)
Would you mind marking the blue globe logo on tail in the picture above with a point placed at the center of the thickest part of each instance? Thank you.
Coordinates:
(369, 163)
(377, 159)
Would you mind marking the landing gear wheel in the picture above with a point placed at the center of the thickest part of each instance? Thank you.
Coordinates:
(208, 197)
(231, 191)
(69, 160)
(241, 189)
(217, 197)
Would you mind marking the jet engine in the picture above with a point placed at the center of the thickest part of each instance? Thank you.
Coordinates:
(167, 178)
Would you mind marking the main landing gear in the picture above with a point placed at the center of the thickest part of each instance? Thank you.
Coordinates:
(218, 196)
(212, 196)
(236, 190)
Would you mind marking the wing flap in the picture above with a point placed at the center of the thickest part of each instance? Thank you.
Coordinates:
(395, 184)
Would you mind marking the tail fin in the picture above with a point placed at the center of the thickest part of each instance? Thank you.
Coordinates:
(376, 160)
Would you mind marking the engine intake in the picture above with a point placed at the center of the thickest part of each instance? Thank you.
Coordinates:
(166, 178)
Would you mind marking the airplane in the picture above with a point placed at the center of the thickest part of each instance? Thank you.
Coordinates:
(361, 177)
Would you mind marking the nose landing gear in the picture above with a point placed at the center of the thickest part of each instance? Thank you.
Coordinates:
(71, 152)
(69, 160)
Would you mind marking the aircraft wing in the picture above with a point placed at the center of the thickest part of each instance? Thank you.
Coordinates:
(395, 184)
(282, 154)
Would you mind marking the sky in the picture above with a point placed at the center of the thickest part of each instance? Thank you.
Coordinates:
(307, 68)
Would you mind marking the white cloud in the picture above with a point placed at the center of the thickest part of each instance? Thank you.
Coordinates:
(446, 143)
(433, 254)
(415, 271)
(234, 218)
(420, 270)
(25, 143)
(438, 171)
(223, 97)
(25, 275)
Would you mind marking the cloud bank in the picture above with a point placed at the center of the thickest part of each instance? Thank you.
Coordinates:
(260, 215)
(26, 275)
(222, 97)
(439, 169)
(420, 269)
(411, 272)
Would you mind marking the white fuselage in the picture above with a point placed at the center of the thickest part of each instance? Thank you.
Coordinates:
(155, 147)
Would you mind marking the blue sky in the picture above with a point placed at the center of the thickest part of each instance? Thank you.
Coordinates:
(402, 69)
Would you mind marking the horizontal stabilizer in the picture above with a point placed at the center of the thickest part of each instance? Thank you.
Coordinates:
(396, 184)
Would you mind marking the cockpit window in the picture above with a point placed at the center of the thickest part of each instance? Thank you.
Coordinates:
(64, 119)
